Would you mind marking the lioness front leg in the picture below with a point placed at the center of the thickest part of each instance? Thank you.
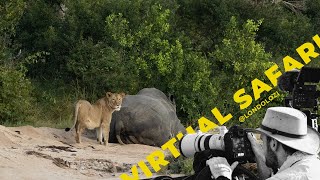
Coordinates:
(106, 129)
(99, 134)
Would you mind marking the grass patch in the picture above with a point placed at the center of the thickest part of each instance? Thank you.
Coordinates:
(52, 106)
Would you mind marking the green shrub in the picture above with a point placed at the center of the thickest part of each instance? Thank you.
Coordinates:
(180, 165)
(15, 96)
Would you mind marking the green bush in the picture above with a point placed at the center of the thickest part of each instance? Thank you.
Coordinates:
(99, 68)
(236, 62)
(54, 103)
(15, 96)
(180, 165)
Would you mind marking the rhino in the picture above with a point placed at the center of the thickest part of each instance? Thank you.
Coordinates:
(149, 117)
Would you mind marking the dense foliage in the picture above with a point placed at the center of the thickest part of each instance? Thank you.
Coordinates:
(15, 88)
(200, 51)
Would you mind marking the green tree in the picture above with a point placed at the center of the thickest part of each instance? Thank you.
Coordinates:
(99, 68)
(42, 28)
(283, 30)
(158, 60)
(312, 12)
(10, 12)
(237, 61)
(15, 88)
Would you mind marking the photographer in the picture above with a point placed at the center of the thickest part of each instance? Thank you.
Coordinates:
(290, 148)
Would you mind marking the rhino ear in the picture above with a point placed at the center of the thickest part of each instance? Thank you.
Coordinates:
(171, 98)
(108, 94)
(173, 101)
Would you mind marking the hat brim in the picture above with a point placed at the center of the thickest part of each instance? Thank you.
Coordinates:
(309, 143)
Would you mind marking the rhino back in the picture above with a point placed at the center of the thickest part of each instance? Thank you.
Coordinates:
(152, 92)
(143, 111)
(157, 94)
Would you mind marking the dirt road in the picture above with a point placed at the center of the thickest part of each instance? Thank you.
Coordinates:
(47, 153)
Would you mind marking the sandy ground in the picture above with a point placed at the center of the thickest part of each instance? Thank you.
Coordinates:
(47, 153)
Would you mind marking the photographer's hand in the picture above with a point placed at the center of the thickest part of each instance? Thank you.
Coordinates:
(264, 171)
(219, 166)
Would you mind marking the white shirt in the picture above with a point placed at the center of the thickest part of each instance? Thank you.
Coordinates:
(299, 166)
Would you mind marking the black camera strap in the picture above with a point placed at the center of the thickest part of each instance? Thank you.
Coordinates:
(275, 131)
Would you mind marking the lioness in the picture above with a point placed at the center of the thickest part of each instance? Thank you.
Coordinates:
(97, 115)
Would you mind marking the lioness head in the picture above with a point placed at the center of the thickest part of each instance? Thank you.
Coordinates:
(114, 100)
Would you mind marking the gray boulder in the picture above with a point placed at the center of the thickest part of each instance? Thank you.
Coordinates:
(146, 118)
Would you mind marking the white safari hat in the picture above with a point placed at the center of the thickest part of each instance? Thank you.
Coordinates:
(289, 127)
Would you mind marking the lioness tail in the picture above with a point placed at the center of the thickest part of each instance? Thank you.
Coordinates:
(75, 115)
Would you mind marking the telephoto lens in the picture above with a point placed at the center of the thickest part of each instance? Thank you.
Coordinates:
(196, 142)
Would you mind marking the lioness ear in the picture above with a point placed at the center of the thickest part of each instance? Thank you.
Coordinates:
(122, 94)
(109, 94)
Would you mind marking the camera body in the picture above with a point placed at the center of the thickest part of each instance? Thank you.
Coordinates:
(234, 144)
(237, 145)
